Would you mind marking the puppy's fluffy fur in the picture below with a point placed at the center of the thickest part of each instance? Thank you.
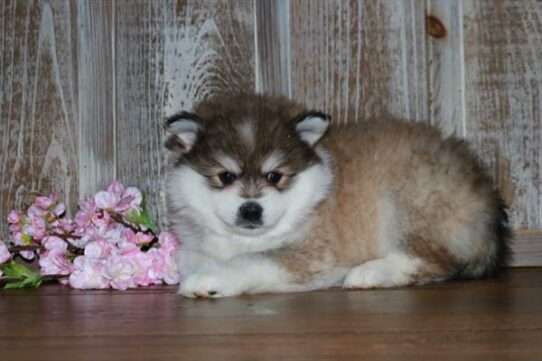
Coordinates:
(380, 203)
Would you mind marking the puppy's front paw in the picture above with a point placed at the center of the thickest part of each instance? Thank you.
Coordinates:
(366, 277)
(390, 271)
(211, 285)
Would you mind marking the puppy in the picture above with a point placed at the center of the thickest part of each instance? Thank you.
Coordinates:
(267, 196)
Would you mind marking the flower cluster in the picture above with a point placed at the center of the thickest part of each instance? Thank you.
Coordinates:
(111, 242)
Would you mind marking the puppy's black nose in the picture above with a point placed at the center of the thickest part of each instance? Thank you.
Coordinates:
(251, 211)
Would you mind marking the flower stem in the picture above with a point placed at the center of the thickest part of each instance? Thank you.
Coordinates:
(120, 219)
(46, 278)
(16, 249)
(65, 236)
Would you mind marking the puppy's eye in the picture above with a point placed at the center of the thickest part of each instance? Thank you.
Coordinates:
(273, 177)
(227, 178)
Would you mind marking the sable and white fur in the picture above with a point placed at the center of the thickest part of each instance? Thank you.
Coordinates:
(379, 203)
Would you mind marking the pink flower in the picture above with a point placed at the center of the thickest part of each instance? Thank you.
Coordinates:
(119, 272)
(21, 239)
(116, 187)
(106, 200)
(168, 243)
(157, 269)
(36, 228)
(127, 241)
(109, 233)
(35, 212)
(55, 244)
(118, 199)
(59, 209)
(148, 266)
(63, 226)
(80, 242)
(143, 239)
(14, 217)
(113, 255)
(53, 262)
(4, 253)
(135, 197)
(98, 249)
(171, 274)
(143, 263)
(130, 239)
(28, 255)
(87, 273)
(44, 202)
(14, 228)
(86, 213)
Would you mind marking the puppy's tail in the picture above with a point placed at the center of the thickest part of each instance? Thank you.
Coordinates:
(497, 235)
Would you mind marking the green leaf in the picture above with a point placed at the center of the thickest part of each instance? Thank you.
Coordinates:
(25, 277)
(27, 240)
(15, 270)
(141, 217)
(19, 284)
(25, 283)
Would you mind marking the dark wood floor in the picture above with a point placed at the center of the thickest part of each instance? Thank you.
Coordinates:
(477, 320)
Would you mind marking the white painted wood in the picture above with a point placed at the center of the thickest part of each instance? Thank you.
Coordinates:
(171, 54)
(446, 68)
(84, 85)
(38, 104)
(273, 70)
(97, 151)
(360, 59)
(503, 99)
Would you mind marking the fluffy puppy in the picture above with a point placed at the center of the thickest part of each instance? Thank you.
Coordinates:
(267, 196)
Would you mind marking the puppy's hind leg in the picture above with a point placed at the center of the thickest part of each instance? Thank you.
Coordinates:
(393, 270)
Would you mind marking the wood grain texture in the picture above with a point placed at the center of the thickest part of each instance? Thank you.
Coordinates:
(360, 59)
(503, 92)
(38, 103)
(84, 85)
(97, 160)
(527, 248)
(139, 87)
(170, 54)
(444, 22)
(273, 73)
(492, 319)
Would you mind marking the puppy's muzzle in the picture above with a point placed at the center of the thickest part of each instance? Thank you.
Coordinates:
(250, 215)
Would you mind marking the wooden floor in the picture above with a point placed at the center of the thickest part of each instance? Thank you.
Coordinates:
(477, 320)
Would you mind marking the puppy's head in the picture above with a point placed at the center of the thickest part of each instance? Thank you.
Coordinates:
(247, 165)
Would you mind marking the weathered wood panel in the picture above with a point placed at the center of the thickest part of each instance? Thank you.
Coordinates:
(84, 85)
(273, 73)
(503, 92)
(356, 59)
(444, 23)
(97, 159)
(139, 74)
(527, 248)
(38, 102)
(168, 55)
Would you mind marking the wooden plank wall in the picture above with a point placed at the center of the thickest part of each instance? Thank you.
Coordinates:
(39, 110)
(168, 55)
(84, 85)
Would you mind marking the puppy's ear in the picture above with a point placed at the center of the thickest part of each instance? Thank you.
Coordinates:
(183, 128)
(311, 126)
